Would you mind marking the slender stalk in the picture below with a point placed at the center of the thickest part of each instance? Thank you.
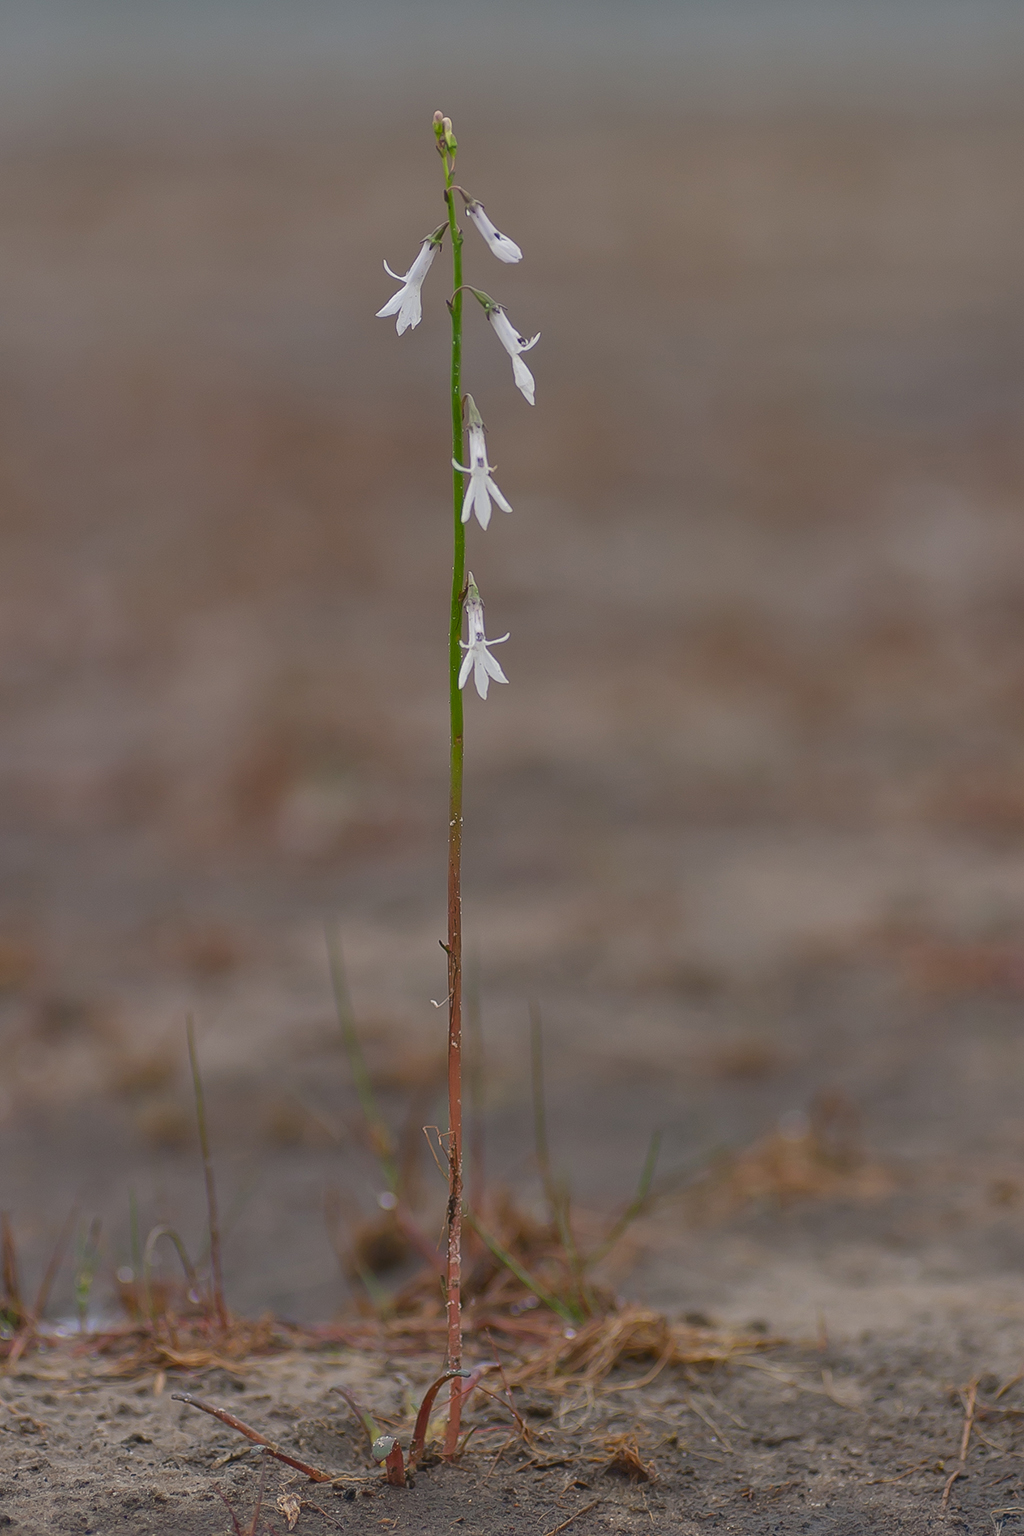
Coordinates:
(9, 1264)
(46, 1284)
(134, 1238)
(376, 1127)
(636, 1206)
(512, 1264)
(453, 1272)
(557, 1198)
(540, 1124)
(147, 1267)
(475, 1083)
(85, 1270)
(419, 1433)
(211, 1189)
(366, 1420)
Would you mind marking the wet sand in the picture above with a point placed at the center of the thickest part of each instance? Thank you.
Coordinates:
(747, 824)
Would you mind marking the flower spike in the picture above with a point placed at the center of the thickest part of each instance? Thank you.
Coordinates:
(511, 341)
(406, 303)
(501, 246)
(481, 488)
(478, 658)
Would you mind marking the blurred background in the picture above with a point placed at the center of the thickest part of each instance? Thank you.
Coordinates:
(748, 824)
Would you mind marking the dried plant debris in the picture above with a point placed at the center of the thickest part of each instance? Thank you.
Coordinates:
(814, 1156)
(621, 1456)
(634, 1336)
(748, 1443)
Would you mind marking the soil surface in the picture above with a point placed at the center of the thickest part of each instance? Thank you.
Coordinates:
(747, 825)
(831, 1439)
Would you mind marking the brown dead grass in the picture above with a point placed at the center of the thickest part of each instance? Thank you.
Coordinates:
(819, 1157)
(622, 1457)
(633, 1336)
(542, 1352)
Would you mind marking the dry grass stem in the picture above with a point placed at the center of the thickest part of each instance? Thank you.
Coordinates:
(636, 1333)
(969, 1400)
(621, 1455)
(313, 1473)
(216, 1267)
(574, 1516)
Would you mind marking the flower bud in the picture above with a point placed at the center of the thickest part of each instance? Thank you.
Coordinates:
(470, 412)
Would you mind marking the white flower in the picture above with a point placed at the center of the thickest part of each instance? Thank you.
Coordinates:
(514, 344)
(524, 378)
(478, 658)
(504, 248)
(511, 341)
(481, 487)
(406, 303)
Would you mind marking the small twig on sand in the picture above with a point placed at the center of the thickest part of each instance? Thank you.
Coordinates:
(309, 1504)
(969, 1407)
(876, 1482)
(313, 1473)
(574, 1516)
(970, 1403)
(950, 1480)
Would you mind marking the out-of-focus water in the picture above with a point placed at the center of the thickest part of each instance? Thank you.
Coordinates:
(731, 53)
(763, 582)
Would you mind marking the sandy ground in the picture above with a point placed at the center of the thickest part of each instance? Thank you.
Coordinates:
(837, 1439)
(747, 824)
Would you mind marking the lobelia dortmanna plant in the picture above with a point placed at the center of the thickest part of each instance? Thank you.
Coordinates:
(474, 493)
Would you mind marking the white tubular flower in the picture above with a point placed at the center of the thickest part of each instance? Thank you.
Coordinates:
(502, 247)
(478, 658)
(511, 341)
(406, 303)
(481, 488)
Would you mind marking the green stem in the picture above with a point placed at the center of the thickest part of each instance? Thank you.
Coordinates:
(216, 1268)
(636, 1206)
(453, 1273)
(558, 1199)
(563, 1310)
(376, 1126)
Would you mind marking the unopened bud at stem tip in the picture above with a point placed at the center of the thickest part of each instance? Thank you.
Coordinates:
(445, 136)
(470, 412)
